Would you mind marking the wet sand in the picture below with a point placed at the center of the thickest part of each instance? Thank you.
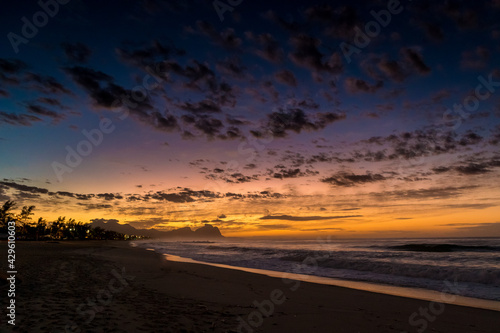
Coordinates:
(101, 286)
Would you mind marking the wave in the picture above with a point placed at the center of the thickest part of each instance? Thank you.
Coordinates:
(310, 263)
(444, 248)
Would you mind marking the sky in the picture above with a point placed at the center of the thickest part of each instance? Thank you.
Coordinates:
(284, 118)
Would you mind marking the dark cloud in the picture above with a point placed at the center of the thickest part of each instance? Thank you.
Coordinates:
(476, 59)
(172, 197)
(95, 206)
(286, 77)
(270, 48)
(25, 188)
(204, 106)
(150, 55)
(306, 218)
(208, 126)
(232, 67)
(164, 122)
(41, 111)
(306, 54)
(345, 19)
(290, 25)
(427, 142)
(51, 101)
(274, 226)
(354, 85)
(416, 60)
(226, 38)
(433, 30)
(18, 119)
(346, 179)
(98, 85)
(424, 193)
(393, 70)
(4, 93)
(109, 196)
(282, 173)
(294, 119)
(464, 17)
(46, 84)
(76, 52)
(10, 71)
(231, 177)
(472, 169)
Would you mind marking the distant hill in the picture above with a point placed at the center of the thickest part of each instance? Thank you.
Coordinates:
(206, 232)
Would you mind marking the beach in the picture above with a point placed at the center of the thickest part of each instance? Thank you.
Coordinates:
(109, 286)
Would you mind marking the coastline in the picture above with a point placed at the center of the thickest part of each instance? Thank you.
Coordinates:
(136, 290)
(408, 292)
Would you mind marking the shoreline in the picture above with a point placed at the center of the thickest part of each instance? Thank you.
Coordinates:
(136, 290)
(408, 292)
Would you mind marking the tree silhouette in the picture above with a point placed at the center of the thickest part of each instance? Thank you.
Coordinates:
(60, 229)
(5, 214)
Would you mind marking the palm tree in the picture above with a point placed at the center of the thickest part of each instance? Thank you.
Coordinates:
(24, 218)
(5, 213)
(41, 226)
(57, 227)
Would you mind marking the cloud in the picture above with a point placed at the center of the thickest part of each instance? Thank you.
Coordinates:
(226, 38)
(18, 119)
(424, 193)
(472, 166)
(393, 70)
(416, 60)
(476, 59)
(109, 196)
(232, 67)
(148, 55)
(305, 218)
(345, 19)
(286, 77)
(10, 69)
(76, 52)
(283, 173)
(427, 142)
(350, 179)
(204, 106)
(41, 111)
(465, 18)
(354, 86)
(433, 31)
(472, 169)
(98, 85)
(306, 54)
(164, 122)
(24, 188)
(46, 84)
(291, 26)
(172, 197)
(270, 48)
(95, 206)
(51, 102)
(323, 229)
(281, 122)
(209, 126)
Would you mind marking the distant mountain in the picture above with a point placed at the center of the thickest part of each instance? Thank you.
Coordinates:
(206, 232)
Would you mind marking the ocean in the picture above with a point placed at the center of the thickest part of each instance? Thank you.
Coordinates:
(472, 265)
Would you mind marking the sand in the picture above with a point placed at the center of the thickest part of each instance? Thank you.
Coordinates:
(108, 286)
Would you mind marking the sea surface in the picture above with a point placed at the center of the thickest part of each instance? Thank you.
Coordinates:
(471, 265)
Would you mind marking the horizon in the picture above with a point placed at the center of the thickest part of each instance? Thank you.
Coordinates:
(261, 120)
